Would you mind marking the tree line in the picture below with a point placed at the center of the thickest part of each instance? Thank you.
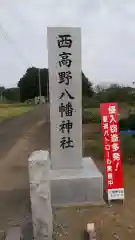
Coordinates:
(9, 94)
(28, 88)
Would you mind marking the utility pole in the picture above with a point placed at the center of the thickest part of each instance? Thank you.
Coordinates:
(47, 97)
(39, 81)
(1, 95)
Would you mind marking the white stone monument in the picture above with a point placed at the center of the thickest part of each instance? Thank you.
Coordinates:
(73, 180)
(65, 84)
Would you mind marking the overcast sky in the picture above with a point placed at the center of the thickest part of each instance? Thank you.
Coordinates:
(108, 36)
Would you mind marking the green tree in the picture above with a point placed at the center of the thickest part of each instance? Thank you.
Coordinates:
(115, 92)
(87, 89)
(1, 92)
(29, 84)
(12, 94)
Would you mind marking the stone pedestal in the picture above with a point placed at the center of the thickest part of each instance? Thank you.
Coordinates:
(39, 169)
(77, 186)
(65, 186)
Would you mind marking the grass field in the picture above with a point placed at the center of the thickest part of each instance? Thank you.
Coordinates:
(12, 110)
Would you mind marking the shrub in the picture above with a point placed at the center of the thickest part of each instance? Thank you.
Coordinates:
(90, 116)
(127, 123)
(89, 103)
(128, 149)
(94, 147)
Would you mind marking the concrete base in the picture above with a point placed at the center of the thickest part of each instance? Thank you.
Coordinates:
(78, 186)
(42, 218)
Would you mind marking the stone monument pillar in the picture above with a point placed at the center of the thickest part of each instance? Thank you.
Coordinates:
(74, 180)
(64, 45)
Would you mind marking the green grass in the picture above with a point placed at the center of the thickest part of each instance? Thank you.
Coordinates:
(91, 115)
(89, 103)
(13, 105)
(128, 149)
(93, 146)
(12, 110)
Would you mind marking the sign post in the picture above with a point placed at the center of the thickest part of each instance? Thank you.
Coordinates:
(112, 153)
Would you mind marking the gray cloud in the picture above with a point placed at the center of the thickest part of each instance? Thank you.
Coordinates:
(108, 36)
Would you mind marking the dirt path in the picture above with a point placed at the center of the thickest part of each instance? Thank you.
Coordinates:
(14, 187)
(13, 129)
